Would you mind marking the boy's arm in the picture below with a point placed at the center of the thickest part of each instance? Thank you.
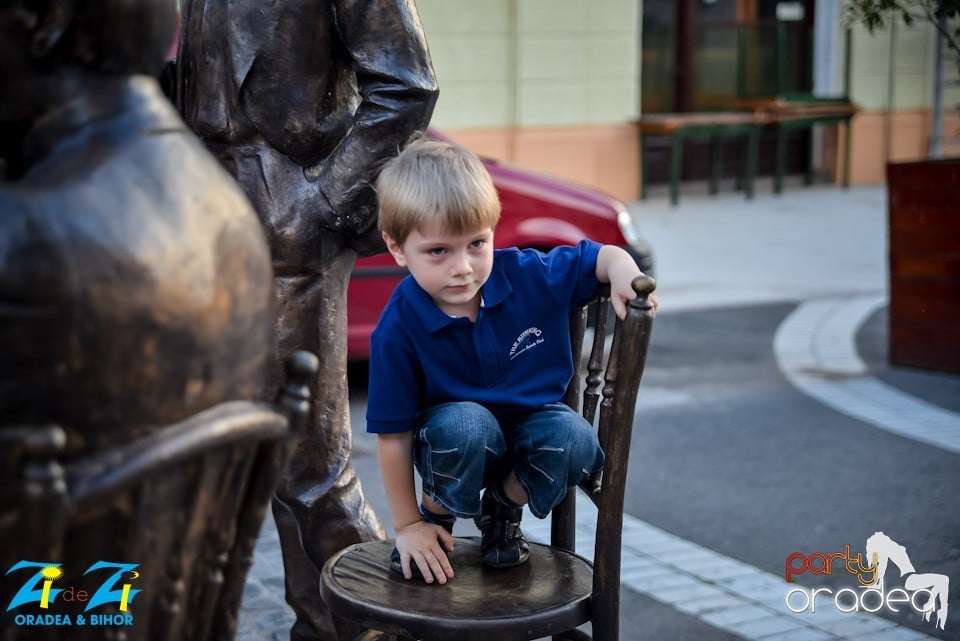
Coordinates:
(395, 455)
(617, 267)
(417, 541)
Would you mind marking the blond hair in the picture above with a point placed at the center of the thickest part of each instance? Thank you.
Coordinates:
(433, 180)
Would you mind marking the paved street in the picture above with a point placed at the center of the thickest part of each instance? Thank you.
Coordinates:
(769, 423)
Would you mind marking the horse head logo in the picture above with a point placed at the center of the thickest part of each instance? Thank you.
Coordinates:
(882, 551)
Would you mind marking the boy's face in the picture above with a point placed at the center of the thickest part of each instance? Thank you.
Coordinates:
(451, 268)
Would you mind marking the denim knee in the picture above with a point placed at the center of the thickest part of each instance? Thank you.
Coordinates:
(554, 449)
(456, 449)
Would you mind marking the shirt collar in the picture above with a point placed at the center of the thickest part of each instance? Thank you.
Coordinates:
(494, 292)
(497, 288)
(424, 308)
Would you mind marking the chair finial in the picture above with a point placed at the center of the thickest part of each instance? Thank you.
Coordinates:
(294, 396)
(643, 285)
(301, 367)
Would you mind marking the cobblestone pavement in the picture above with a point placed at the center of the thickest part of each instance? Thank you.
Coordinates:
(264, 615)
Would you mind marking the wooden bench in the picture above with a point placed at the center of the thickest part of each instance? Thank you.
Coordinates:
(679, 126)
(801, 111)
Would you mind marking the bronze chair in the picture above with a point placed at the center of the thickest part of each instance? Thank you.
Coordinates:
(556, 590)
(184, 505)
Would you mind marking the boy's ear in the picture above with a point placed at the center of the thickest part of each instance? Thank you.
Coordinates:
(395, 250)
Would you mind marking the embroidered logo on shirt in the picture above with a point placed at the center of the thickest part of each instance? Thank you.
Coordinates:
(527, 340)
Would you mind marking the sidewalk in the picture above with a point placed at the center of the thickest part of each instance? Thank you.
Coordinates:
(723, 251)
(809, 242)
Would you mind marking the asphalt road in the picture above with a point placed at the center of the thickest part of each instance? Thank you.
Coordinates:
(753, 469)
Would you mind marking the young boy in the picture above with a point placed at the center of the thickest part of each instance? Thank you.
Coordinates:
(470, 360)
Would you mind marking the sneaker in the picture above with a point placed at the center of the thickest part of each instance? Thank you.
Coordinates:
(447, 523)
(396, 566)
(502, 543)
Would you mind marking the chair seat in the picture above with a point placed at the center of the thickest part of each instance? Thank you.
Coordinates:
(548, 594)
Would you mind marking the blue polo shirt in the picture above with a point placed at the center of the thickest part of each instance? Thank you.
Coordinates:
(516, 356)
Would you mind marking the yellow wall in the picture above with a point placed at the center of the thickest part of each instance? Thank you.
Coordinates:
(471, 47)
(548, 84)
(879, 136)
(600, 156)
(896, 122)
(910, 49)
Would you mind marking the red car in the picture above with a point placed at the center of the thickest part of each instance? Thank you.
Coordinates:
(537, 211)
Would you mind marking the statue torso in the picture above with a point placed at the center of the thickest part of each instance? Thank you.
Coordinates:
(279, 72)
(135, 283)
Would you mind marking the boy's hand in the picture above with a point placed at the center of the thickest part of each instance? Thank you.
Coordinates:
(621, 291)
(617, 267)
(424, 544)
(621, 288)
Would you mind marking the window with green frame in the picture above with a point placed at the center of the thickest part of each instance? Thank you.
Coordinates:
(739, 49)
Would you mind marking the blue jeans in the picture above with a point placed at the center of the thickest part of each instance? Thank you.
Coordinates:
(460, 448)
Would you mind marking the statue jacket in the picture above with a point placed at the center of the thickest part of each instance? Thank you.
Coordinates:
(335, 86)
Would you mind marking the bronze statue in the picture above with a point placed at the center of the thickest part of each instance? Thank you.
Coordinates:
(134, 277)
(135, 280)
(303, 101)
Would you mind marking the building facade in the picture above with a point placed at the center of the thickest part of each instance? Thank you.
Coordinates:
(555, 85)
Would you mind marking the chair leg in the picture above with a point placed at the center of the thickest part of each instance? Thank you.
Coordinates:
(643, 168)
(715, 164)
(781, 159)
(753, 142)
(572, 635)
(676, 165)
(846, 154)
(376, 635)
(349, 631)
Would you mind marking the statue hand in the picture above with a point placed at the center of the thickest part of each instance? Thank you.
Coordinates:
(351, 212)
(367, 243)
(355, 219)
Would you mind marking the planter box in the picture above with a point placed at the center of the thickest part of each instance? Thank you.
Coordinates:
(924, 216)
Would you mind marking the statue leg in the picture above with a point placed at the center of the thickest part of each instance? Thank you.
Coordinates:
(319, 506)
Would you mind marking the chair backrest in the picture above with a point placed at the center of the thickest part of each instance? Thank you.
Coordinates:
(608, 380)
(174, 514)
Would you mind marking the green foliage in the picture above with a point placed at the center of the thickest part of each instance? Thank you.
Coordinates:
(876, 14)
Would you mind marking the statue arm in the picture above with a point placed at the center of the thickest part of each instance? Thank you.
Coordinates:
(398, 90)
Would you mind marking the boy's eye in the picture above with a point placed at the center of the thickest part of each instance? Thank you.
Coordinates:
(436, 251)
(477, 244)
